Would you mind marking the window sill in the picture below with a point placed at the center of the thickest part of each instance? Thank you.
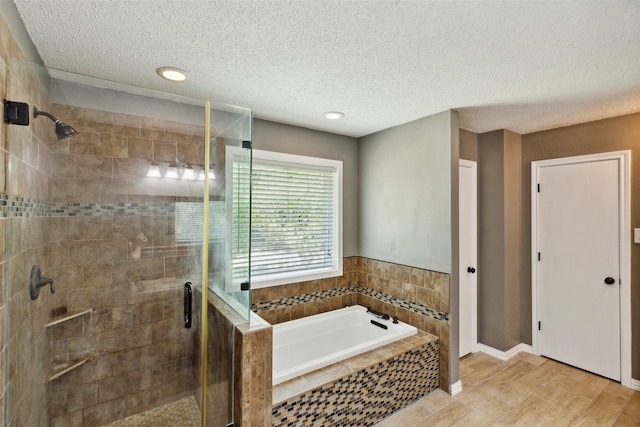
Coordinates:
(325, 273)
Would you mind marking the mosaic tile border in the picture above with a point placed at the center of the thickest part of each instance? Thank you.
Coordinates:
(109, 209)
(17, 207)
(365, 397)
(319, 295)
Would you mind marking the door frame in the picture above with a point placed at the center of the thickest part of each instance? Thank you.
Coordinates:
(624, 159)
(474, 237)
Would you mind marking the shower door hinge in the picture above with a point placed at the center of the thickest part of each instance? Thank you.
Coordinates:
(247, 145)
(538, 256)
(538, 188)
(245, 286)
(539, 326)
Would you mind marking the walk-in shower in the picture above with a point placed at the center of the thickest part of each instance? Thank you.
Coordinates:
(120, 243)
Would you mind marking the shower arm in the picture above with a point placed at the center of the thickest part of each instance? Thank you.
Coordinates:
(37, 113)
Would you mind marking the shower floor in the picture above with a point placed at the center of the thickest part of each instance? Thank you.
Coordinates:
(181, 413)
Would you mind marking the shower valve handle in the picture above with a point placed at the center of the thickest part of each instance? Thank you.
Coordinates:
(37, 281)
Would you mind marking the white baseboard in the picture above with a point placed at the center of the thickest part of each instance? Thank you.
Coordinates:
(505, 355)
(455, 388)
(635, 384)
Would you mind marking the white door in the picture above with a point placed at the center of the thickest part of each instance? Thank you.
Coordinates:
(467, 256)
(579, 270)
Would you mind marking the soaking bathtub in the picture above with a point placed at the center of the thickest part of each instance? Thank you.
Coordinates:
(309, 343)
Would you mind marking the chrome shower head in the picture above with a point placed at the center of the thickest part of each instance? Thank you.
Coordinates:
(63, 130)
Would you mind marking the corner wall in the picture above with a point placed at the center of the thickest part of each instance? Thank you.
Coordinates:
(499, 239)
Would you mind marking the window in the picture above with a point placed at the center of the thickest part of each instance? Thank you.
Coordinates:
(188, 222)
(296, 216)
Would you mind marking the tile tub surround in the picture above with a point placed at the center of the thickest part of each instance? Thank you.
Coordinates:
(361, 390)
(239, 361)
(413, 285)
(237, 358)
(253, 375)
(416, 296)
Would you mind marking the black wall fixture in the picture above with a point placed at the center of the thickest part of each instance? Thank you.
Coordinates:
(16, 113)
(188, 296)
(37, 281)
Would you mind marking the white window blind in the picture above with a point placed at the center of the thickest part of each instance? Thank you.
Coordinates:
(295, 217)
(189, 218)
(240, 221)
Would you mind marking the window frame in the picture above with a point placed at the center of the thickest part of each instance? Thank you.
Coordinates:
(308, 163)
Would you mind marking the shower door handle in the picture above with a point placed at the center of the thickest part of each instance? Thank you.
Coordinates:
(188, 296)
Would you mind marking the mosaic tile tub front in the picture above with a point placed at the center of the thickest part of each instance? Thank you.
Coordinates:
(366, 396)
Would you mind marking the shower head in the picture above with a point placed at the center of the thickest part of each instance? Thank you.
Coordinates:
(63, 130)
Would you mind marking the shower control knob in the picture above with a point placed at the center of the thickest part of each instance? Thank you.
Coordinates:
(471, 270)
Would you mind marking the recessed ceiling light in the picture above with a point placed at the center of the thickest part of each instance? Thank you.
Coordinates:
(172, 74)
(333, 115)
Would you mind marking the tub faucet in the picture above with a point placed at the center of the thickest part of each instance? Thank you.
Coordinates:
(378, 314)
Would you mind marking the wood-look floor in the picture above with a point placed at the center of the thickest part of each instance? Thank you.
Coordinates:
(526, 390)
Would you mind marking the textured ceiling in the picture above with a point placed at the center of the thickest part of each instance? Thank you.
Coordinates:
(523, 66)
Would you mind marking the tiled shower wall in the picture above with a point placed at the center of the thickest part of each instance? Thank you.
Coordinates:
(80, 210)
(416, 296)
(24, 168)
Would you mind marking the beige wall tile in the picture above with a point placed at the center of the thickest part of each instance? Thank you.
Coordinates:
(140, 148)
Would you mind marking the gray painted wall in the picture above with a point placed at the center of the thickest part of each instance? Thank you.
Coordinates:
(491, 239)
(468, 145)
(499, 239)
(272, 136)
(404, 176)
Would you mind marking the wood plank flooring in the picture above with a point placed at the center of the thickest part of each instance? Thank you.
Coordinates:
(526, 390)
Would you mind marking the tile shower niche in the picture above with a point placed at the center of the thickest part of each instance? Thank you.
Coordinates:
(70, 349)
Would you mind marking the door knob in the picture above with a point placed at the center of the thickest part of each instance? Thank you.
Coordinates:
(609, 280)
(471, 270)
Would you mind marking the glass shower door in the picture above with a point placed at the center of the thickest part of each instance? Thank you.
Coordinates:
(114, 215)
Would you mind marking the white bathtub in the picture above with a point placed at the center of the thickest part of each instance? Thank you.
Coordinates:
(310, 343)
